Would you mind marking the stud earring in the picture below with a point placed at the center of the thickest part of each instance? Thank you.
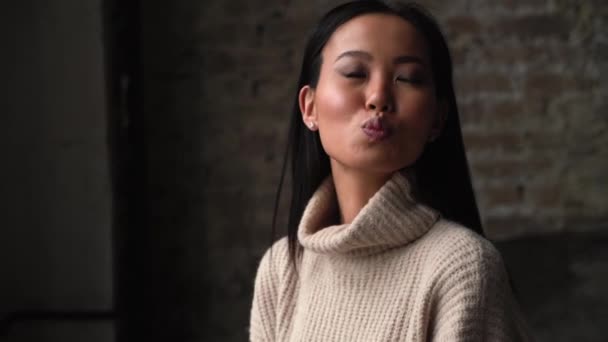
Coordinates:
(311, 125)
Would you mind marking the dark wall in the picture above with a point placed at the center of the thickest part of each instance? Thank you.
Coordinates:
(55, 192)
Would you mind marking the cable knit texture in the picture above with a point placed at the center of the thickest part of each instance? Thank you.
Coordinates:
(396, 273)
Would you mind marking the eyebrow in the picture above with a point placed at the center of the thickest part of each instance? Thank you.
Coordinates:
(367, 56)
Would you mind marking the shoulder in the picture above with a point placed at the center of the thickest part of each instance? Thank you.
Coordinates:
(472, 295)
(454, 248)
(275, 260)
(456, 240)
(266, 293)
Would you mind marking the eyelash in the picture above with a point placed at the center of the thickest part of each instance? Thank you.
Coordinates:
(355, 75)
(412, 80)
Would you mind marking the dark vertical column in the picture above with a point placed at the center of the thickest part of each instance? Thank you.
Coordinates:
(175, 229)
(152, 133)
(127, 141)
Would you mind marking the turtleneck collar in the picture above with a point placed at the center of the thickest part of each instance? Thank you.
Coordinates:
(390, 219)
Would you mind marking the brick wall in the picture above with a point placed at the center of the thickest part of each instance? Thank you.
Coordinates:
(528, 76)
(220, 77)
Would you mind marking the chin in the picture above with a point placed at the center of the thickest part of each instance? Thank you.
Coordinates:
(381, 166)
(374, 160)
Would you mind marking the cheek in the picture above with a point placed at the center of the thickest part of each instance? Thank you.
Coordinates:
(337, 110)
(335, 104)
(337, 126)
(419, 112)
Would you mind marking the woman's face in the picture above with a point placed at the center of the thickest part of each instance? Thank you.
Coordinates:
(374, 104)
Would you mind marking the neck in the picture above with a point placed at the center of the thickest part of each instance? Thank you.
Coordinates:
(354, 188)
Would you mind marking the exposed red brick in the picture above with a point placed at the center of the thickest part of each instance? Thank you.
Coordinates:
(600, 51)
(510, 54)
(462, 24)
(550, 83)
(505, 195)
(496, 168)
(543, 140)
(503, 114)
(533, 26)
(545, 195)
(489, 169)
(459, 54)
(504, 141)
(474, 83)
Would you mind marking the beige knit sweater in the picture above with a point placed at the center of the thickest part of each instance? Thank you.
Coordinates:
(396, 273)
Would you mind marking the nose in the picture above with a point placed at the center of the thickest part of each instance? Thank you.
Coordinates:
(380, 97)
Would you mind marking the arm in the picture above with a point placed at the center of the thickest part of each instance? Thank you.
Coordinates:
(474, 300)
(263, 311)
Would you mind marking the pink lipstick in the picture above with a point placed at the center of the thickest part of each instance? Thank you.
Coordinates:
(375, 129)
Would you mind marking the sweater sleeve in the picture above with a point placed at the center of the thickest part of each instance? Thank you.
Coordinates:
(474, 300)
(263, 310)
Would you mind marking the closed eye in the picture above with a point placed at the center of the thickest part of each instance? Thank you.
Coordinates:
(356, 74)
(412, 80)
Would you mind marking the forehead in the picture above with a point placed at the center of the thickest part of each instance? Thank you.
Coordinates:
(380, 35)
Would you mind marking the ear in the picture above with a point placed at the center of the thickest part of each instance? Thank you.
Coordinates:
(439, 122)
(306, 100)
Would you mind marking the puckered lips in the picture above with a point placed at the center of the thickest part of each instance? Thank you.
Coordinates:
(376, 129)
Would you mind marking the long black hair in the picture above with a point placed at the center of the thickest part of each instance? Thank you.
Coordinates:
(442, 179)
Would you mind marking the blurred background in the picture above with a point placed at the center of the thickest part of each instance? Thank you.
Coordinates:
(143, 142)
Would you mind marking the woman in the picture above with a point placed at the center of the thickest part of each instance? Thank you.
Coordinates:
(377, 248)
